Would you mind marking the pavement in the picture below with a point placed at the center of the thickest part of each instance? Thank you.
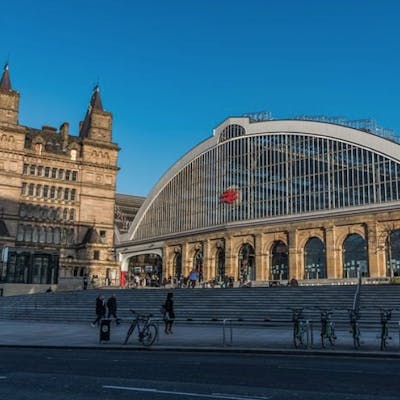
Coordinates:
(194, 337)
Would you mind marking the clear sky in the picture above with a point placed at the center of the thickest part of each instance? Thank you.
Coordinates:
(171, 70)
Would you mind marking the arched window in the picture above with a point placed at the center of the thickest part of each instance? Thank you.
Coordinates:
(22, 210)
(393, 254)
(20, 233)
(28, 233)
(355, 256)
(35, 234)
(314, 259)
(49, 235)
(247, 263)
(220, 265)
(279, 261)
(57, 235)
(42, 234)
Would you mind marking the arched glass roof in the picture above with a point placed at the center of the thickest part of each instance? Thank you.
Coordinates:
(267, 170)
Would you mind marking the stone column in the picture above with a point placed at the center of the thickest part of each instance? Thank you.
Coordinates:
(375, 263)
(262, 272)
(293, 255)
(333, 258)
(230, 259)
(187, 262)
(207, 260)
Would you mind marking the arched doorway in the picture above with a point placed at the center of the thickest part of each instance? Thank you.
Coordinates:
(198, 264)
(247, 263)
(145, 270)
(279, 261)
(314, 259)
(393, 254)
(355, 256)
(177, 267)
(220, 265)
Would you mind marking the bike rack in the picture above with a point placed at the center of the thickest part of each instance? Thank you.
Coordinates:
(310, 334)
(224, 335)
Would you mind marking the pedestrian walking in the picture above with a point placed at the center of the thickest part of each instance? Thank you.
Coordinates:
(169, 315)
(100, 310)
(112, 308)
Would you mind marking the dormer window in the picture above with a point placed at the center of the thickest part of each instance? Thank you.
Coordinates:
(38, 148)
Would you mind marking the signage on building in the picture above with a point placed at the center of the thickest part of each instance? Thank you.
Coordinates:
(230, 196)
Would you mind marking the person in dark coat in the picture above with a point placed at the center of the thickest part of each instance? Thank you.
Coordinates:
(169, 316)
(112, 308)
(100, 310)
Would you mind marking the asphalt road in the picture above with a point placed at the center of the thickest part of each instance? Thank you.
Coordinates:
(58, 374)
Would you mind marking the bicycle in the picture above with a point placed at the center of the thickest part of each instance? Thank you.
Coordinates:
(299, 327)
(355, 328)
(327, 328)
(146, 329)
(386, 315)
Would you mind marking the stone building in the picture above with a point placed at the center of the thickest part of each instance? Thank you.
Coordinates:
(270, 200)
(57, 198)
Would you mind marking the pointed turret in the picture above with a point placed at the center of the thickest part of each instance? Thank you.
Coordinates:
(5, 83)
(95, 101)
(9, 100)
(97, 122)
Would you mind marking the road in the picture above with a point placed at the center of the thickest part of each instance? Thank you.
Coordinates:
(59, 374)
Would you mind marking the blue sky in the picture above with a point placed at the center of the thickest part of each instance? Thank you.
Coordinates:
(170, 71)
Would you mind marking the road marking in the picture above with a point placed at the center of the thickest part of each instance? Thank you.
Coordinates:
(210, 396)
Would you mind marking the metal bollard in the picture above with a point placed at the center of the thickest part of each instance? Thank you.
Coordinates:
(224, 332)
(399, 333)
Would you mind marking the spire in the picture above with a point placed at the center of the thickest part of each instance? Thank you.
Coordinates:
(95, 101)
(5, 83)
(94, 104)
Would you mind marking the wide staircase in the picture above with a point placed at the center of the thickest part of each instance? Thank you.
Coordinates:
(269, 305)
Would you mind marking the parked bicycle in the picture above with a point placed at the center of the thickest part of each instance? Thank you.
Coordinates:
(146, 329)
(327, 328)
(386, 315)
(299, 328)
(354, 316)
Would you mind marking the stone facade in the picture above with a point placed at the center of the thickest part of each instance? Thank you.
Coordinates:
(57, 191)
(373, 227)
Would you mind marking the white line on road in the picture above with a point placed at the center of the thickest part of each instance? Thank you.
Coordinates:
(210, 396)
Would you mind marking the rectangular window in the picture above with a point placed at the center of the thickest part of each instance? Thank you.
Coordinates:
(38, 190)
(31, 189)
(96, 255)
(67, 174)
(60, 174)
(47, 172)
(73, 194)
(75, 175)
(54, 173)
(59, 193)
(66, 194)
(32, 170)
(40, 170)
(71, 214)
(52, 192)
(25, 169)
(45, 191)
(23, 188)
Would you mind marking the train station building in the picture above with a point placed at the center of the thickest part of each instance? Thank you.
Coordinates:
(315, 199)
